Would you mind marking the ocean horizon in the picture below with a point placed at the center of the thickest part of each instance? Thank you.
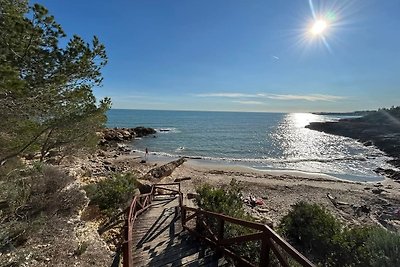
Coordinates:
(259, 140)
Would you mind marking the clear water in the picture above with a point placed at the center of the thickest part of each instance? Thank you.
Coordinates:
(258, 140)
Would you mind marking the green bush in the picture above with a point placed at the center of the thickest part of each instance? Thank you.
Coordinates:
(228, 201)
(350, 248)
(316, 233)
(311, 227)
(221, 200)
(384, 246)
(366, 246)
(112, 193)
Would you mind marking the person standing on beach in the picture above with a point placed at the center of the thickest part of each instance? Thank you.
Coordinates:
(145, 155)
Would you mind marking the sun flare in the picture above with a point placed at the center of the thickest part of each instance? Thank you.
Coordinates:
(318, 27)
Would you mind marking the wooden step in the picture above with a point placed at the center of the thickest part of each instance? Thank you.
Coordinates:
(159, 240)
(175, 255)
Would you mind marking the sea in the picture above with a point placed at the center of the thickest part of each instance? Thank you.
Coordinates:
(263, 141)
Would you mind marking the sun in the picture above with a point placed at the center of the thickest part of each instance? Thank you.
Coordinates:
(319, 27)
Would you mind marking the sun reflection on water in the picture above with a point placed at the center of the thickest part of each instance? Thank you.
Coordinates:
(300, 120)
(297, 141)
(313, 151)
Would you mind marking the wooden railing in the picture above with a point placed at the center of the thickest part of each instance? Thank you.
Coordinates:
(229, 236)
(139, 204)
(225, 233)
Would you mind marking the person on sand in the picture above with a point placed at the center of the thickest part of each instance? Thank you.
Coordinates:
(146, 153)
(252, 201)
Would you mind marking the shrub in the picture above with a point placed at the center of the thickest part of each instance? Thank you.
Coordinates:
(315, 232)
(311, 227)
(384, 246)
(112, 193)
(350, 248)
(366, 246)
(227, 201)
(33, 190)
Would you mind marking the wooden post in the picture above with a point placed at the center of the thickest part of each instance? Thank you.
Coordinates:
(180, 200)
(221, 229)
(183, 216)
(127, 249)
(265, 250)
(220, 237)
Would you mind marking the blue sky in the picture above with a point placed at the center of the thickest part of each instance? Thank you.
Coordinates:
(242, 55)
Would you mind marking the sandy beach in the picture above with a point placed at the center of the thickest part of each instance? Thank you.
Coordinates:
(355, 203)
(280, 190)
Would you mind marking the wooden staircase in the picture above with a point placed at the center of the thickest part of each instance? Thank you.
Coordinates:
(170, 233)
(159, 239)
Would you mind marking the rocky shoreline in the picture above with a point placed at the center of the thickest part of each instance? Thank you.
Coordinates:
(383, 134)
(108, 135)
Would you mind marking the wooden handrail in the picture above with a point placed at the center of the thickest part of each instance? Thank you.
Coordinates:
(174, 183)
(253, 225)
(300, 258)
(139, 204)
(268, 238)
(243, 238)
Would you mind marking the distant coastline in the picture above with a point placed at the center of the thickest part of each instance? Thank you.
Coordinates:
(353, 113)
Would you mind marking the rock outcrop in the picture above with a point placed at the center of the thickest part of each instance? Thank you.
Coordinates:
(124, 134)
(384, 134)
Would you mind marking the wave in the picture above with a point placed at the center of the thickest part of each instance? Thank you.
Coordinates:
(180, 149)
(352, 166)
(350, 158)
(257, 160)
(167, 130)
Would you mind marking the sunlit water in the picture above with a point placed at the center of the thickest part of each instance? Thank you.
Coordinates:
(258, 140)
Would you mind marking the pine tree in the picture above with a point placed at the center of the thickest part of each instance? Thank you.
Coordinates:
(46, 96)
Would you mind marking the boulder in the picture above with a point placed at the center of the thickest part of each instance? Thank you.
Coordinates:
(368, 143)
(143, 131)
(137, 192)
(123, 134)
(144, 186)
(377, 190)
(126, 134)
